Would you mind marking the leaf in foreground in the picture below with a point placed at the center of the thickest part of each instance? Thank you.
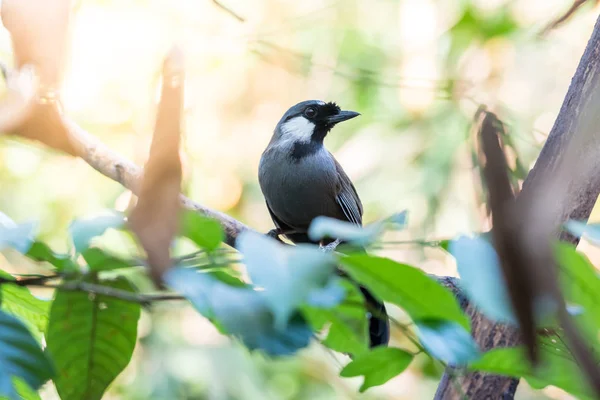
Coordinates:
(205, 232)
(91, 340)
(241, 312)
(481, 277)
(289, 275)
(447, 341)
(408, 287)
(325, 227)
(20, 357)
(100, 260)
(556, 367)
(19, 301)
(155, 218)
(347, 323)
(19, 237)
(85, 229)
(40, 251)
(378, 366)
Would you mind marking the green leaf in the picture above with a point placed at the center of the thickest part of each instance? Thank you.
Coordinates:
(408, 287)
(555, 368)
(91, 340)
(580, 228)
(84, 230)
(325, 227)
(444, 245)
(19, 237)
(240, 312)
(24, 391)
(342, 336)
(289, 275)
(481, 277)
(99, 260)
(447, 341)
(20, 357)
(206, 232)
(347, 322)
(580, 284)
(226, 278)
(40, 251)
(378, 366)
(19, 302)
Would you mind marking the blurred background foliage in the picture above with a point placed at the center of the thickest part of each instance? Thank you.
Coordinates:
(417, 70)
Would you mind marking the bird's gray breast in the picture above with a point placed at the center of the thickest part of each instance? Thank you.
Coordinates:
(298, 190)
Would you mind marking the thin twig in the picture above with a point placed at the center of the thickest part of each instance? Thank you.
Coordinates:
(78, 286)
(558, 21)
(229, 11)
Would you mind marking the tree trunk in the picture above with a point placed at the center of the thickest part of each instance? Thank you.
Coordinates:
(577, 124)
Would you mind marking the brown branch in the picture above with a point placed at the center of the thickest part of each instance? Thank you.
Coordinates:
(118, 168)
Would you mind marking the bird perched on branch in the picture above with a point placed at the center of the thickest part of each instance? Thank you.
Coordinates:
(301, 180)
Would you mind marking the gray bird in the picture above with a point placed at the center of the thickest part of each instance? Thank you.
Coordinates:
(301, 180)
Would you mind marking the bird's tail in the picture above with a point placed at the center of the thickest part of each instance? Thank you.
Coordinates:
(379, 323)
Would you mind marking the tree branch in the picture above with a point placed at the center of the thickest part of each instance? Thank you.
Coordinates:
(128, 174)
(92, 288)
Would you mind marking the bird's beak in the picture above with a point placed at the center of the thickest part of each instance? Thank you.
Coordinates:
(342, 116)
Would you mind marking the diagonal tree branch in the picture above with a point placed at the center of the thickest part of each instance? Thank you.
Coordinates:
(120, 169)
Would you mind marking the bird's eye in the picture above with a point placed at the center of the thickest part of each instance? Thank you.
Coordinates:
(310, 112)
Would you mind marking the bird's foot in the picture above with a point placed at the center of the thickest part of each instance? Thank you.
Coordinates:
(274, 233)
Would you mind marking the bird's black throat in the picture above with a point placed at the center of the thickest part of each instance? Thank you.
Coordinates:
(304, 149)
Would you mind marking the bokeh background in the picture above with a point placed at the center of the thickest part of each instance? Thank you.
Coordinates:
(416, 70)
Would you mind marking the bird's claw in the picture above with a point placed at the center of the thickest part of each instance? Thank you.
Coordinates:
(274, 233)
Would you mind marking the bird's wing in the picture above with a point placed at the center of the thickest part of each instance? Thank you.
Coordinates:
(347, 198)
(279, 224)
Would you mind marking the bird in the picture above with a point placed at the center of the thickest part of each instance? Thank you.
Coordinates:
(301, 180)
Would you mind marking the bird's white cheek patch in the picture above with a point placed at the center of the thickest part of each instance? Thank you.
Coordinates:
(298, 129)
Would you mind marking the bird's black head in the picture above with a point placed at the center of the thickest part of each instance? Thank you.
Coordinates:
(311, 120)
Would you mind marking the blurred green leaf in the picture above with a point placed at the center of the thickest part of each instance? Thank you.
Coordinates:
(100, 260)
(580, 229)
(345, 333)
(289, 275)
(24, 391)
(347, 322)
(206, 232)
(19, 237)
(555, 368)
(20, 356)
(40, 251)
(91, 339)
(580, 285)
(407, 287)
(474, 26)
(444, 245)
(227, 278)
(481, 277)
(447, 341)
(241, 312)
(378, 366)
(84, 230)
(325, 227)
(19, 301)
